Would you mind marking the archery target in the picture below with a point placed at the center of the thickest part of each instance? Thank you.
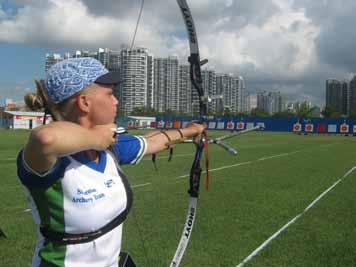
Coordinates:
(309, 127)
(240, 125)
(297, 127)
(344, 128)
(230, 125)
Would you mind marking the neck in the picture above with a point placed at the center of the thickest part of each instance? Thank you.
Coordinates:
(92, 155)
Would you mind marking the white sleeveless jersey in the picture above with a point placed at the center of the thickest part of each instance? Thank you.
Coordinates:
(80, 196)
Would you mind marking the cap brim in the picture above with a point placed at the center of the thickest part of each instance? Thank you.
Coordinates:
(112, 77)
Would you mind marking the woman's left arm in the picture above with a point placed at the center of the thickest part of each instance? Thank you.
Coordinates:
(159, 140)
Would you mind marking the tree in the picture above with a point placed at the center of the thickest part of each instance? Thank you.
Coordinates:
(284, 114)
(304, 111)
(330, 112)
(259, 113)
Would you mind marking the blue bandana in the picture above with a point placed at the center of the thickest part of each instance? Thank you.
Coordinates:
(70, 76)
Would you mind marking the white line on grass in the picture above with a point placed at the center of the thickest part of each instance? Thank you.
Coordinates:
(265, 243)
(8, 159)
(140, 185)
(279, 155)
(244, 163)
(221, 168)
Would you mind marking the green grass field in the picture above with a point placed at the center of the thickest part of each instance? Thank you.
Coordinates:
(274, 177)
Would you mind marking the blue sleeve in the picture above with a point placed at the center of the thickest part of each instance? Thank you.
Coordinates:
(130, 148)
(31, 178)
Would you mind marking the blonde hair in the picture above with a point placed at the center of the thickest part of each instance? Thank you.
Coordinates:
(65, 110)
(40, 101)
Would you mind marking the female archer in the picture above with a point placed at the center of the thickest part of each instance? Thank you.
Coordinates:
(78, 194)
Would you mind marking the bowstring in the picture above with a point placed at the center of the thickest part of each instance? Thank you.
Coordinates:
(142, 242)
(137, 24)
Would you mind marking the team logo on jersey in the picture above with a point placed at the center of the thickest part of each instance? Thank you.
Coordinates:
(109, 183)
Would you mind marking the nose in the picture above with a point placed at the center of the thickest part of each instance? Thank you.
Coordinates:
(115, 101)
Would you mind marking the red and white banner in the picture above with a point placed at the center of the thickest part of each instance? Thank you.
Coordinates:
(309, 127)
(297, 127)
(240, 125)
(344, 128)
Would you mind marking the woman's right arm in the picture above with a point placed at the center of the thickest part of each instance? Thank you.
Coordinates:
(48, 142)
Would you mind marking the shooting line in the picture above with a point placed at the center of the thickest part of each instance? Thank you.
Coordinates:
(281, 230)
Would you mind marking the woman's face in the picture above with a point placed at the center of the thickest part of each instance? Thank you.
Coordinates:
(103, 104)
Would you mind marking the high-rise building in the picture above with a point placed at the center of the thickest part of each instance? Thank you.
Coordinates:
(352, 96)
(242, 96)
(150, 80)
(209, 87)
(52, 59)
(336, 95)
(185, 91)
(166, 89)
(270, 102)
(233, 90)
(133, 89)
(109, 58)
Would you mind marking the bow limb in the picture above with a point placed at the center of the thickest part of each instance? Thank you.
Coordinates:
(195, 172)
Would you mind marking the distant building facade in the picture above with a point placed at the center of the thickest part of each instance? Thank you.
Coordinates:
(270, 102)
(337, 95)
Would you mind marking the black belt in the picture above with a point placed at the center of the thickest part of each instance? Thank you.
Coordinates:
(69, 239)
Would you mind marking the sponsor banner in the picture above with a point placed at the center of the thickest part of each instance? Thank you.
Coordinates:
(212, 125)
(177, 124)
(160, 124)
(354, 129)
(169, 124)
(21, 124)
(153, 124)
(250, 125)
(321, 128)
(221, 125)
(332, 128)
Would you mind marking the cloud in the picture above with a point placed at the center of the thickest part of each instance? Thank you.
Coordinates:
(15, 90)
(286, 45)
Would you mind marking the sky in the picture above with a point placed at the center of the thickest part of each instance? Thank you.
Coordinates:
(291, 46)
